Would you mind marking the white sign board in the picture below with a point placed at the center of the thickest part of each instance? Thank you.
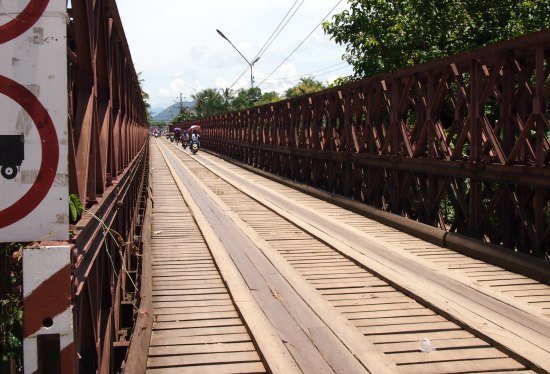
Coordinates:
(34, 181)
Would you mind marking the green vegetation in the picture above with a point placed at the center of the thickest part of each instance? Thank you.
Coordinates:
(212, 101)
(306, 85)
(75, 209)
(11, 308)
(386, 35)
(145, 96)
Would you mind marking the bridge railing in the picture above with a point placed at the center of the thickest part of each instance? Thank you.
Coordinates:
(96, 293)
(460, 143)
(108, 171)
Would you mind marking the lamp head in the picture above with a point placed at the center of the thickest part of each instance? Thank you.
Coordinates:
(221, 34)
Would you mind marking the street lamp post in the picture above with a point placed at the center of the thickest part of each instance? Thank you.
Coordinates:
(251, 64)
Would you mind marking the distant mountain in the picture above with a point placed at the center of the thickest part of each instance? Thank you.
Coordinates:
(172, 111)
(156, 110)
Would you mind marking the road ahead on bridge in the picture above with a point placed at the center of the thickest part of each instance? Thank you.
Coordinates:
(249, 275)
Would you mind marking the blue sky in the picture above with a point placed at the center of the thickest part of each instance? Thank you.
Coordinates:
(175, 45)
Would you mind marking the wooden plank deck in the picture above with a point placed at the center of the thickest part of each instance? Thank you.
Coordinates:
(196, 326)
(343, 293)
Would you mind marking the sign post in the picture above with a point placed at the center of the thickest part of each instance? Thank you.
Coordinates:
(34, 181)
(33, 121)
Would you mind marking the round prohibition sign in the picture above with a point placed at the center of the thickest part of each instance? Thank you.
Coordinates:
(50, 152)
(24, 21)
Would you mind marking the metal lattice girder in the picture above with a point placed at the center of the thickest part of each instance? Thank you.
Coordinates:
(108, 132)
(460, 142)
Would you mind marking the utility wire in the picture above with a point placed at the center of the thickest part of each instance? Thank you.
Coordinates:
(301, 43)
(282, 79)
(262, 50)
(312, 76)
(270, 40)
(282, 28)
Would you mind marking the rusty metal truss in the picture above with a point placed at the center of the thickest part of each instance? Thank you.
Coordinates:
(460, 143)
(108, 158)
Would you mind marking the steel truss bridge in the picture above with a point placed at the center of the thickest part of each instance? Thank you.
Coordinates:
(400, 223)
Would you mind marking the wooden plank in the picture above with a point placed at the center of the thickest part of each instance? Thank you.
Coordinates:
(242, 367)
(191, 303)
(201, 359)
(505, 364)
(409, 327)
(438, 344)
(196, 316)
(448, 355)
(418, 336)
(217, 347)
(202, 339)
(176, 298)
(186, 291)
(375, 316)
(196, 309)
(162, 326)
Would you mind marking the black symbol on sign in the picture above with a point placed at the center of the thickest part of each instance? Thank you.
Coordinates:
(12, 154)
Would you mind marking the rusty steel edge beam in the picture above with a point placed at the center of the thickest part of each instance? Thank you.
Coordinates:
(136, 360)
(90, 231)
(107, 268)
(499, 256)
(511, 174)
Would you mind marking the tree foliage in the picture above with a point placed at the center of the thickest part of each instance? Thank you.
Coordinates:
(212, 101)
(185, 114)
(245, 98)
(386, 35)
(306, 85)
(209, 102)
(145, 97)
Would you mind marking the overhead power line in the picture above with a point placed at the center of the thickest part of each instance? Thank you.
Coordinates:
(271, 38)
(301, 43)
(282, 28)
(266, 45)
(290, 80)
(312, 72)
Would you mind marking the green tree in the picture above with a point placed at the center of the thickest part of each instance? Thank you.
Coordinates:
(145, 97)
(209, 102)
(305, 86)
(386, 35)
(245, 98)
(185, 114)
(268, 97)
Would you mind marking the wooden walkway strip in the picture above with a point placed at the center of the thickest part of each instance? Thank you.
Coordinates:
(187, 337)
(370, 356)
(274, 351)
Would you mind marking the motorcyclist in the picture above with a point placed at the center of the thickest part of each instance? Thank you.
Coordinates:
(195, 137)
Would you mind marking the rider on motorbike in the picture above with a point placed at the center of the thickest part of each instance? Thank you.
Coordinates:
(195, 137)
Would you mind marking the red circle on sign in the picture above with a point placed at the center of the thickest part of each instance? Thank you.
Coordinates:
(50, 152)
(24, 21)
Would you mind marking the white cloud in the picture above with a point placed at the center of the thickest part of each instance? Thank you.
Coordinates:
(176, 46)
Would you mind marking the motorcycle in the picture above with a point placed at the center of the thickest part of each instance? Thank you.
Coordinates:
(184, 144)
(194, 146)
